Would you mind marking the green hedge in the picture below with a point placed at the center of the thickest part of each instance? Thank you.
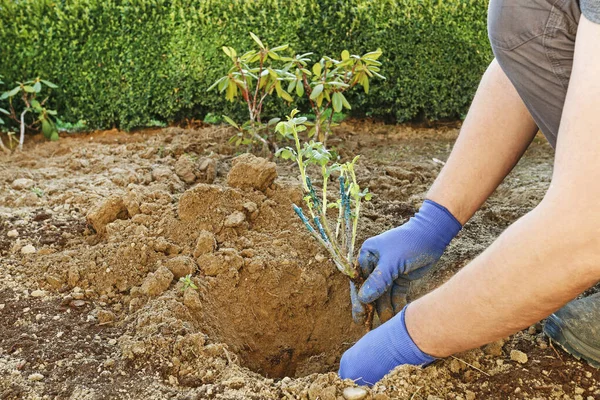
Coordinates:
(126, 62)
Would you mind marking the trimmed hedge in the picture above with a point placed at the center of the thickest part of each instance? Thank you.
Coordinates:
(126, 62)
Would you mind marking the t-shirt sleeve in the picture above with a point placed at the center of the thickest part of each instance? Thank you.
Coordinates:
(591, 10)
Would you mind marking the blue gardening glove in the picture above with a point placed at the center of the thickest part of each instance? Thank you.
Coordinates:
(380, 351)
(396, 257)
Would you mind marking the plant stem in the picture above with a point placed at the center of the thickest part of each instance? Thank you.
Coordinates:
(299, 160)
(324, 200)
(22, 137)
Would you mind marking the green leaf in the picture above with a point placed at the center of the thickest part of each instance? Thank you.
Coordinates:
(37, 87)
(29, 89)
(48, 83)
(3, 111)
(291, 85)
(345, 102)
(273, 121)
(54, 136)
(230, 122)
(51, 112)
(345, 55)
(316, 69)
(223, 84)
(257, 40)
(10, 93)
(299, 88)
(216, 83)
(229, 51)
(316, 92)
(36, 105)
(280, 48)
(285, 153)
(337, 102)
(273, 55)
(374, 55)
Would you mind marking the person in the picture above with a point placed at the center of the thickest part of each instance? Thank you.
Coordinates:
(546, 76)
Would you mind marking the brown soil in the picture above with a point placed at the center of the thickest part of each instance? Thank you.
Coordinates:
(97, 311)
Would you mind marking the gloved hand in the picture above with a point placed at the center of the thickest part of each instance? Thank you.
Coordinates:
(396, 257)
(380, 351)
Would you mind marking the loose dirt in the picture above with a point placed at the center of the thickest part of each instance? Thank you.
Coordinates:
(96, 231)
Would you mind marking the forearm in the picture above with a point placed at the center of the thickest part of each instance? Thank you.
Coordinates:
(529, 272)
(496, 132)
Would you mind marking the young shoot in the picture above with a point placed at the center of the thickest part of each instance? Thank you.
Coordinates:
(187, 283)
(339, 243)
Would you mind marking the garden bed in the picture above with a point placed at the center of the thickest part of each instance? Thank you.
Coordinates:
(95, 308)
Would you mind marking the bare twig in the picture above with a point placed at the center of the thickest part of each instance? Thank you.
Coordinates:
(415, 393)
(472, 366)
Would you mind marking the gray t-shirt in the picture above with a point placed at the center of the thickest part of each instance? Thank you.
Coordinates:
(591, 10)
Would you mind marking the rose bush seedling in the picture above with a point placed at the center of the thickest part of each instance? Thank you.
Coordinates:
(339, 243)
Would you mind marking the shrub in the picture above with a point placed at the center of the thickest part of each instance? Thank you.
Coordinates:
(127, 62)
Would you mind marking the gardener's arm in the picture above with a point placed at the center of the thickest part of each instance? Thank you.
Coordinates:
(535, 266)
(545, 259)
(496, 132)
(494, 136)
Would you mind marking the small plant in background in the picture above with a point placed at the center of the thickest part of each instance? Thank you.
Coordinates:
(38, 192)
(22, 100)
(327, 81)
(253, 77)
(187, 283)
(339, 242)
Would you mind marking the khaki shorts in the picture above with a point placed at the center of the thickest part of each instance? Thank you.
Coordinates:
(534, 42)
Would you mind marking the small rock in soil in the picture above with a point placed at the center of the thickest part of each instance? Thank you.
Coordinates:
(494, 349)
(54, 281)
(35, 377)
(105, 212)
(354, 393)
(207, 170)
(157, 282)
(184, 168)
(13, 233)
(162, 173)
(77, 303)
(236, 219)
(28, 249)
(105, 317)
(181, 266)
(205, 243)
(249, 171)
(38, 293)
(518, 356)
(191, 299)
(22, 183)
